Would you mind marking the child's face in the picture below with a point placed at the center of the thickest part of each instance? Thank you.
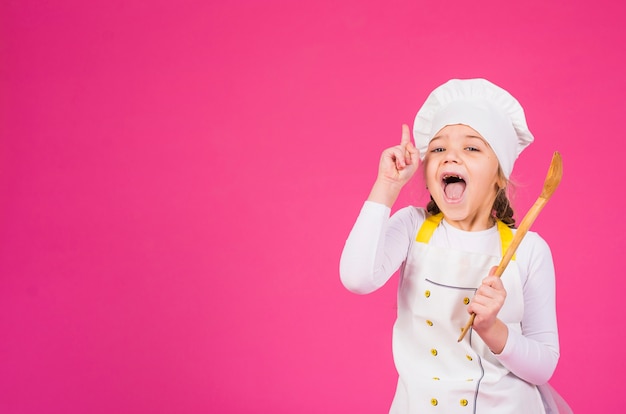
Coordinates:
(462, 176)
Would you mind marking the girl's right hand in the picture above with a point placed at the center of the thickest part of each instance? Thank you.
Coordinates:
(397, 166)
(399, 163)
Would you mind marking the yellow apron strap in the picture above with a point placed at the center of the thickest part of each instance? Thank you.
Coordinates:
(430, 224)
(506, 237)
(428, 228)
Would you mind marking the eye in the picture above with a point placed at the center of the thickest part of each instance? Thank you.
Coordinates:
(472, 149)
(438, 149)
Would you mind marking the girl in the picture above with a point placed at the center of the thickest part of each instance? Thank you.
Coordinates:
(468, 135)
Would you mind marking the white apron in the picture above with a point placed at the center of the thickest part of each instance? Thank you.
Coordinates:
(437, 374)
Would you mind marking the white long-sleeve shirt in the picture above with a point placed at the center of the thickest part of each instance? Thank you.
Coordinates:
(378, 245)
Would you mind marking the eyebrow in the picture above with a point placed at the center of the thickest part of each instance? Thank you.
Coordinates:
(465, 136)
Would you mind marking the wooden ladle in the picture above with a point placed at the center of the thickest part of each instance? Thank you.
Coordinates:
(555, 172)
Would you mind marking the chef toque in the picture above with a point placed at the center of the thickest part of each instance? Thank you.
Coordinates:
(488, 109)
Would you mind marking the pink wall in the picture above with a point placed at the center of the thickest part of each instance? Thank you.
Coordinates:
(178, 178)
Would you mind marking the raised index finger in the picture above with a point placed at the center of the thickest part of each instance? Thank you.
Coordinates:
(406, 136)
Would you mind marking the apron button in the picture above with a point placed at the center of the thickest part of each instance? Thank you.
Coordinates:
(427, 293)
(434, 401)
(430, 323)
(466, 301)
(434, 352)
(463, 402)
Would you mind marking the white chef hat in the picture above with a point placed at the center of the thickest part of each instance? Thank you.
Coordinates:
(490, 110)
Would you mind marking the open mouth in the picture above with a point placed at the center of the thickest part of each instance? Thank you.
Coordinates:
(453, 186)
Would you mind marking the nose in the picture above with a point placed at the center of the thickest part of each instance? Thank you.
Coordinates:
(452, 156)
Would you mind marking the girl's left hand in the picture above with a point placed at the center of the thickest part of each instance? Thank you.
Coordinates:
(487, 302)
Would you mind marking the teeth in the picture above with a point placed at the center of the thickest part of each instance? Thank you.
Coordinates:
(452, 178)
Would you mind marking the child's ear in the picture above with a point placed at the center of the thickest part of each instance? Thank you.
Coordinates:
(501, 182)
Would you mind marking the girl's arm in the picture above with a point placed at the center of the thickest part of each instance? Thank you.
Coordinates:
(377, 245)
(533, 354)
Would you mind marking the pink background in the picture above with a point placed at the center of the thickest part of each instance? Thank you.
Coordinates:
(178, 179)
